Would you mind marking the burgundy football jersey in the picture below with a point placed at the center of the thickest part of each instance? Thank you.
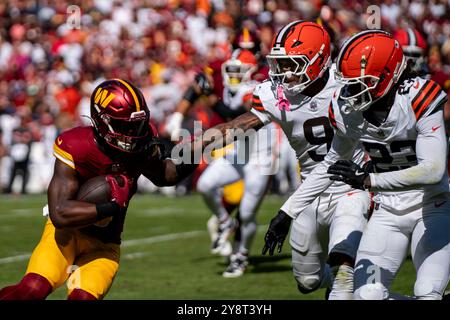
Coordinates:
(78, 149)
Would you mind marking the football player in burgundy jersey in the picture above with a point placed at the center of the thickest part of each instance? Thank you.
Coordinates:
(81, 241)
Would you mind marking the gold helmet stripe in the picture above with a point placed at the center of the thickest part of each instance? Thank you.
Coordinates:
(136, 100)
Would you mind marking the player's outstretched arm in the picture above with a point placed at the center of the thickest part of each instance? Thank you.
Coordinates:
(165, 172)
(317, 182)
(168, 172)
(225, 132)
(65, 212)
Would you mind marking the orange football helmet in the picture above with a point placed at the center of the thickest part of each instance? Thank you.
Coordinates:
(414, 48)
(238, 69)
(368, 64)
(300, 49)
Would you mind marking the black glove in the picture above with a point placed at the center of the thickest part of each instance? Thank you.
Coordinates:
(277, 232)
(204, 84)
(350, 173)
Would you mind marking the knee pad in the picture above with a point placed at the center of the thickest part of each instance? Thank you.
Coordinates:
(371, 291)
(308, 283)
(79, 294)
(203, 185)
(424, 290)
(247, 217)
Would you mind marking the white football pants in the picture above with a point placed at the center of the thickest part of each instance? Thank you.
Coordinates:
(384, 247)
(332, 223)
(222, 172)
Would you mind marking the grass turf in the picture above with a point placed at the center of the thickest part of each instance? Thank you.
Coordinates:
(165, 254)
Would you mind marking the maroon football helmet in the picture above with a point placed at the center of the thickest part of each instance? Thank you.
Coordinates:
(120, 116)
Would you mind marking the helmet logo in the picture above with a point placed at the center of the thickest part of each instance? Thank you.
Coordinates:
(297, 43)
(103, 97)
(363, 65)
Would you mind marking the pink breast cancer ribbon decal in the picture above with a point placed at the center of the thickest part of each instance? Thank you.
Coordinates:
(283, 103)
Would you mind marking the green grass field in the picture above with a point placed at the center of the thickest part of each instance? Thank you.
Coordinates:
(165, 254)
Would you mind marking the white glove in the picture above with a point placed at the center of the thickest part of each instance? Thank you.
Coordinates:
(173, 125)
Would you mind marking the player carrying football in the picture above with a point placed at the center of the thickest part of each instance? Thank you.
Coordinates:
(399, 120)
(81, 241)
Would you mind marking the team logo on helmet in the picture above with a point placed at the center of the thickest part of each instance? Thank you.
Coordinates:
(120, 116)
(369, 63)
(300, 54)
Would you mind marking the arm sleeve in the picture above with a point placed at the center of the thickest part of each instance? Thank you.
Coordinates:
(319, 180)
(431, 151)
(190, 95)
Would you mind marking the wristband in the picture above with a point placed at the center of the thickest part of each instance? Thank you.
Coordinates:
(107, 209)
(184, 170)
(190, 95)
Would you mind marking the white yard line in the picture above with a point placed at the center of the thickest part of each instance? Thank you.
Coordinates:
(161, 212)
(161, 238)
(14, 213)
(125, 244)
(12, 259)
(131, 243)
(135, 255)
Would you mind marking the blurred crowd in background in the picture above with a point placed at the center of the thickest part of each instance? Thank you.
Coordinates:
(48, 68)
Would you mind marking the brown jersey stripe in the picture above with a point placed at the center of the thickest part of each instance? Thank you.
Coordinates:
(256, 99)
(259, 108)
(426, 103)
(331, 116)
(423, 92)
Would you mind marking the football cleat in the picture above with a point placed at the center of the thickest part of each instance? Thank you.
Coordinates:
(226, 229)
(238, 265)
(342, 288)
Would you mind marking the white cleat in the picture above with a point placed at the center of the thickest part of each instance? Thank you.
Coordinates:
(226, 229)
(238, 265)
(342, 288)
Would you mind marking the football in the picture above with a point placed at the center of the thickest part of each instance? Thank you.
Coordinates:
(97, 190)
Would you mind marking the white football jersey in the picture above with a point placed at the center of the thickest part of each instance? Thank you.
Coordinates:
(408, 150)
(305, 123)
(412, 132)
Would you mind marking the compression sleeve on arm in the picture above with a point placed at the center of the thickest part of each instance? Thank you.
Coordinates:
(319, 180)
